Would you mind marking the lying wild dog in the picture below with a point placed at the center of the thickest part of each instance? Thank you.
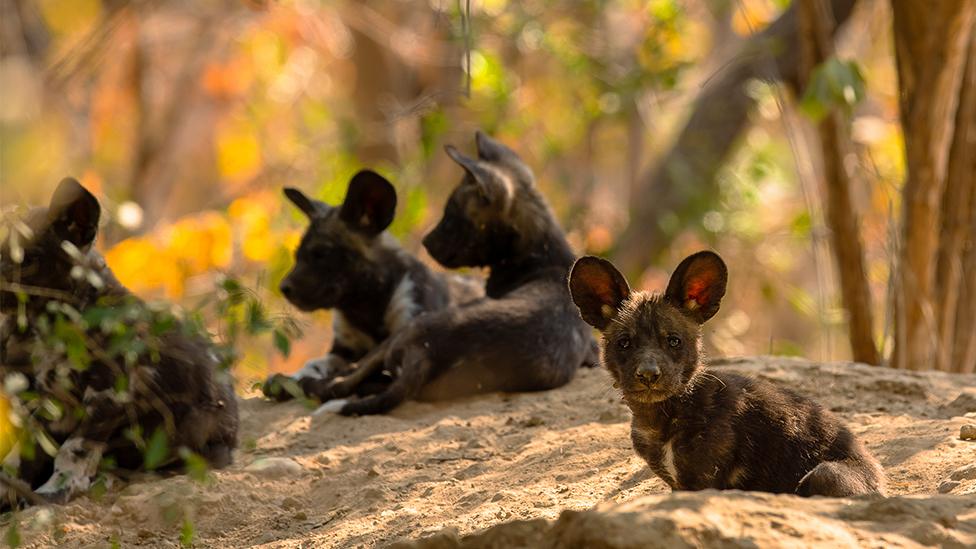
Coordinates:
(347, 262)
(101, 373)
(699, 429)
(525, 335)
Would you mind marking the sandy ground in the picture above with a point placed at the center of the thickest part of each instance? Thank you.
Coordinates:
(453, 469)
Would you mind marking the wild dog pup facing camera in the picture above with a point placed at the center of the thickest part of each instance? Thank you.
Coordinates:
(698, 429)
(95, 370)
(525, 335)
(347, 262)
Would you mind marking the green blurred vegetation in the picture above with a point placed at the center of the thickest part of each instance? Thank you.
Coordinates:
(186, 119)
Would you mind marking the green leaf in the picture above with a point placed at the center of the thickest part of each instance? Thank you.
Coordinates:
(833, 84)
(156, 450)
(282, 343)
(187, 532)
(13, 534)
(256, 322)
(196, 466)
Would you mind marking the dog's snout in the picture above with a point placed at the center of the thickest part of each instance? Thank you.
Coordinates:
(286, 288)
(649, 373)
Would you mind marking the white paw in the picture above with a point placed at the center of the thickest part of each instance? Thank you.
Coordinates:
(331, 407)
(317, 368)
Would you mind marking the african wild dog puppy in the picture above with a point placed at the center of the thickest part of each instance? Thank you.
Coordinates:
(698, 429)
(347, 262)
(525, 335)
(110, 402)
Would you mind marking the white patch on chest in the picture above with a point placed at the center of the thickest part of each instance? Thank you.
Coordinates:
(402, 306)
(667, 460)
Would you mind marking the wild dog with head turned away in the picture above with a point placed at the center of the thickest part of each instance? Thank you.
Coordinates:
(525, 335)
(698, 429)
(346, 261)
(99, 376)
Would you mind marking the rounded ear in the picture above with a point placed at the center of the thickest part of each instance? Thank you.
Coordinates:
(73, 213)
(370, 203)
(697, 285)
(311, 208)
(598, 289)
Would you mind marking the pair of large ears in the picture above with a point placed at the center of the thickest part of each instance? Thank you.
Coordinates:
(369, 206)
(490, 152)
(73, 213)
(696, 288)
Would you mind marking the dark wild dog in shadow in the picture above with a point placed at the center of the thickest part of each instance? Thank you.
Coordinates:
(525, 335)
(347, 262)
(698, 429)
(98, 371)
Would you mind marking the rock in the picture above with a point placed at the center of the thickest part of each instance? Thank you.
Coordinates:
(968, 432)
(274, 466)
(962, 405)
(947, 485)
(966, 472)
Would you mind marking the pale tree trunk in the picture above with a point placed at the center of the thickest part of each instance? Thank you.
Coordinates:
(816, 22)
(931, 41)
(955, 284)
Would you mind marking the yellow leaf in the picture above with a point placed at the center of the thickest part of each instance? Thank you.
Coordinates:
(238, 152)
(69, 16)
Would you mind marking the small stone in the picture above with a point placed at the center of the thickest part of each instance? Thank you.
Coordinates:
(947, 486)
(300, 516)
(533, 421)
(290, 503)
(967, 432)
(372, 472)
(498, 497)
(274, 466)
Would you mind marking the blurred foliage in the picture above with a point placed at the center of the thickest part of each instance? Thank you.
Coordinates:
(186, 119)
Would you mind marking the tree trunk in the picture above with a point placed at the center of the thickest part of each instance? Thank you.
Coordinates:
(955, 284)
(931, 41)
(816, 25)
(687, 172)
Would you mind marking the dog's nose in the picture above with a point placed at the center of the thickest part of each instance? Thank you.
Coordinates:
(648, 373)
(286, 288)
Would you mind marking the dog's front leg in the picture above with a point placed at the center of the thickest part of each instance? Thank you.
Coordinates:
(314, 371)
(341, 386)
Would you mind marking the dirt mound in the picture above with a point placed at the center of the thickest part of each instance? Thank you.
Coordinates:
(736, 519)
(537, 463)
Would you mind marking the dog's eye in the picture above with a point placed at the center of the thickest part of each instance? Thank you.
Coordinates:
(623, 342)
(674, 341)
